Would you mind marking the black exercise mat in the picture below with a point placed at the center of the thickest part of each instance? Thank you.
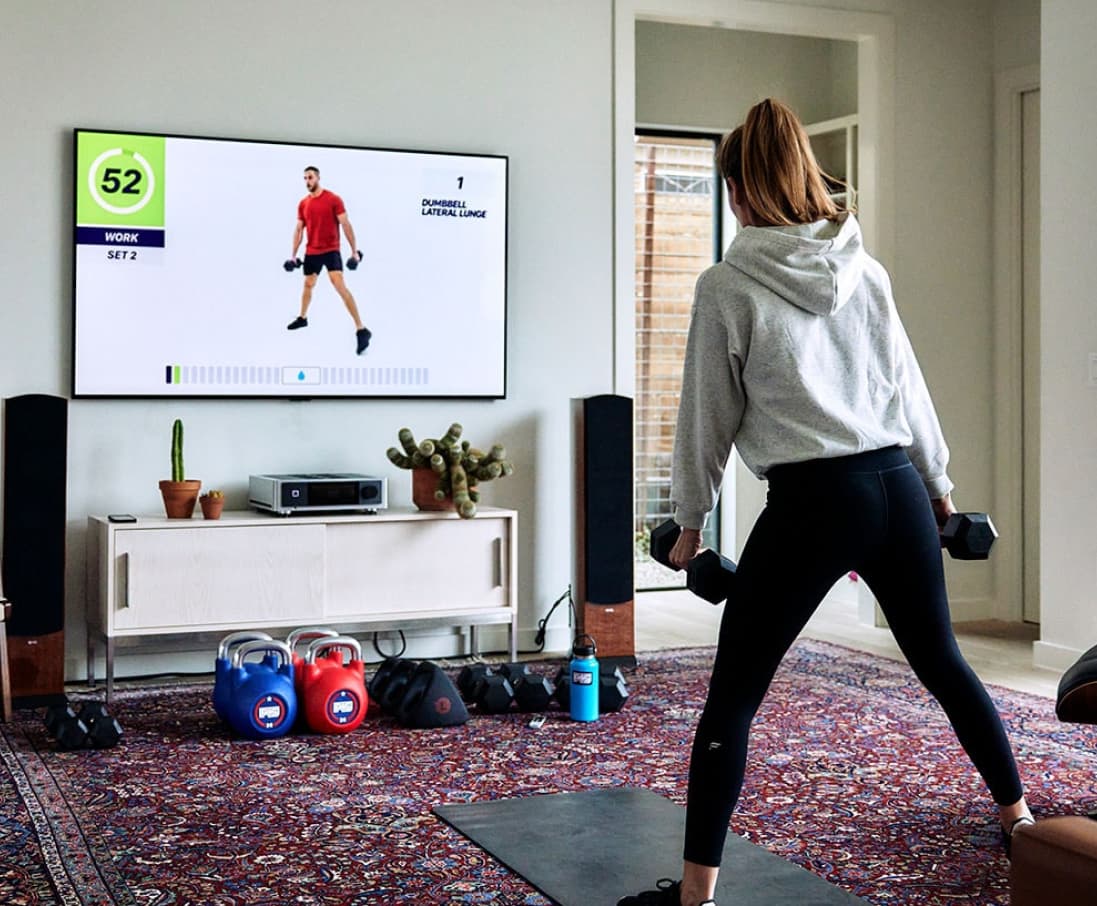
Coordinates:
(590, 849)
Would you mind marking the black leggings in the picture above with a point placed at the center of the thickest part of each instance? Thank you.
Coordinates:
(868, 513)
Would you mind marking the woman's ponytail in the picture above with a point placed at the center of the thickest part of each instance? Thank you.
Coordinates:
(770, 158)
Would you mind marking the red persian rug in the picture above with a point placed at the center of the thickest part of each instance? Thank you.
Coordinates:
(854, 774)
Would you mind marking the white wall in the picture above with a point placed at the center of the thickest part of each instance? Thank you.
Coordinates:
(707, 78)
(1068, 332)
(479, 75)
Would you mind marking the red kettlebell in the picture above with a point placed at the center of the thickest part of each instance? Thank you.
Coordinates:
(308, 633)
(333, 693)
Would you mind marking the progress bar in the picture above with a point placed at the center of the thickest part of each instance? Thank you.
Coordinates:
(310, 376)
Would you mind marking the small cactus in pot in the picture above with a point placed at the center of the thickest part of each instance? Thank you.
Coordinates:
(180, 494)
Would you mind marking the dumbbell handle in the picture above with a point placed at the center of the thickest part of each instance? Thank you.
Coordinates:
(707, 574)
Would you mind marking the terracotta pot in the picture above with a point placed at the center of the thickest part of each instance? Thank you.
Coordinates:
(424, 482)
(211, 506)
(179, 497)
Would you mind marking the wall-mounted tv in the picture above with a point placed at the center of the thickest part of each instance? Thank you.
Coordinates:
(196, 257)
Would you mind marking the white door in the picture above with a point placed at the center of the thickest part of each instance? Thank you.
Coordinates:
(1030, 317)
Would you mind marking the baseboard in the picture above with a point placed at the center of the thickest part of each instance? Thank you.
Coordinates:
(1055, 657)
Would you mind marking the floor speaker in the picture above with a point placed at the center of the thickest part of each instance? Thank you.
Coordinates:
(604, 575)
(35, 474)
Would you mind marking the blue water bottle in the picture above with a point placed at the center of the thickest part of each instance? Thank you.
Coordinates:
(584, 679)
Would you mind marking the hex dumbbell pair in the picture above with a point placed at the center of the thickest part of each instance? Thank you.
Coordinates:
(291, 264)
(966, 536)
(90, 727)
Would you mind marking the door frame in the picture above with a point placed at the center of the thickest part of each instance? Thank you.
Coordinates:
(1012, 557)
(874, 34)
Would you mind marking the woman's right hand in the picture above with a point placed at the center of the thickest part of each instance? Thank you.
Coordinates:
(686, 547)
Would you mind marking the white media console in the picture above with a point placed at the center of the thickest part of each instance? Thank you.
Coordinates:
(399, 569)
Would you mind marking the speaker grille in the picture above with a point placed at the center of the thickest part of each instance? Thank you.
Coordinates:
(35, 447)
(607, 480)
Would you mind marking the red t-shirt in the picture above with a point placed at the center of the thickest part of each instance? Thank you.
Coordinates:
(320, 214)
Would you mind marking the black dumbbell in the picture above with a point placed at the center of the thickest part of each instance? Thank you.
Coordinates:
(65, 726)
(532, 691)
(291, 264)
(612, 691)
(91, 726)
(709, 575)
(489, 691)
(468, 677)
(968, 536)
(353, 259)
(104, 730)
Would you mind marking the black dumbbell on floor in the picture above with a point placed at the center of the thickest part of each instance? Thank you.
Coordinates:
(709, 575)
(92, 726)
(532, 690)
(490, 692)
(968, 536)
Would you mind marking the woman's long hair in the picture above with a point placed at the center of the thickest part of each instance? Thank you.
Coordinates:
(770, 158)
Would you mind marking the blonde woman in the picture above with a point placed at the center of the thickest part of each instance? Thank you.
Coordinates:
(796, 354)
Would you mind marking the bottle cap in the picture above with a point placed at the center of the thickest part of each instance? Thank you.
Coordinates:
(578, 649)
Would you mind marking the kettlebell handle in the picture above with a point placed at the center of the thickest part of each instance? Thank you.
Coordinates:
(309, 632)
(236, 638)
(339, 641)
(272, 645)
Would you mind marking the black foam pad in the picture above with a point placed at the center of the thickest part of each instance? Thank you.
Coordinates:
(430, 700)
(583, 849)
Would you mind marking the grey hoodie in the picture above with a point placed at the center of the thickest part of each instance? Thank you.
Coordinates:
(796, 352)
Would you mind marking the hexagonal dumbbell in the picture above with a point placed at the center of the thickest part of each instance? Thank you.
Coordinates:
(612, 691)
(709, 575)
(968, 536)
(532, 691)
(489, 691)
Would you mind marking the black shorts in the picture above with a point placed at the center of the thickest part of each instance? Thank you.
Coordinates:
(333, 261)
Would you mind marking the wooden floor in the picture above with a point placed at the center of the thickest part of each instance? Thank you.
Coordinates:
(1000, 653)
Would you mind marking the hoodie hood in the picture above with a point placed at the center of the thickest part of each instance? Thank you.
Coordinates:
(814, 266)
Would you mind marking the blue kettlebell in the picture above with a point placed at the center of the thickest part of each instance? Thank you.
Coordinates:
(262, 703)
(223, 665)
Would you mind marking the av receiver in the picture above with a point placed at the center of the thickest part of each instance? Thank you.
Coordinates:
(318, 492)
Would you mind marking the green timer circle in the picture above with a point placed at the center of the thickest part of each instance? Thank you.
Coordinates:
(130, 178)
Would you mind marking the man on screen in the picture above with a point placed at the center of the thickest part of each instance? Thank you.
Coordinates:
(320, 214)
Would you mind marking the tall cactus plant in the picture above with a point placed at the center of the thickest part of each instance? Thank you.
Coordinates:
(177, 450)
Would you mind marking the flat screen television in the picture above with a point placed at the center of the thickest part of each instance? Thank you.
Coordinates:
(186, 274)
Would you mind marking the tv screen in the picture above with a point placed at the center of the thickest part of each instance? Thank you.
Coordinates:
(211, 267)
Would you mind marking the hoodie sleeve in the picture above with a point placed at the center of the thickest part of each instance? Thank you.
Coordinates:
(709, 413)
(928, 451)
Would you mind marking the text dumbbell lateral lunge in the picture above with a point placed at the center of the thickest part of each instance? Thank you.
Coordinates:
(709, 575)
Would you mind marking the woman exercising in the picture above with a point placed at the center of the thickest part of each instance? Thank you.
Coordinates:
(796, 354)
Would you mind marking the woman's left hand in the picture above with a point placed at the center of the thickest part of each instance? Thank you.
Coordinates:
(942, 508)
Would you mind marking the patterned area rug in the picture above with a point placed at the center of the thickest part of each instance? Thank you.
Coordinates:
(853, 774)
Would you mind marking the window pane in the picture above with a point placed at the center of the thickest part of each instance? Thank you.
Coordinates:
(674, 181)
